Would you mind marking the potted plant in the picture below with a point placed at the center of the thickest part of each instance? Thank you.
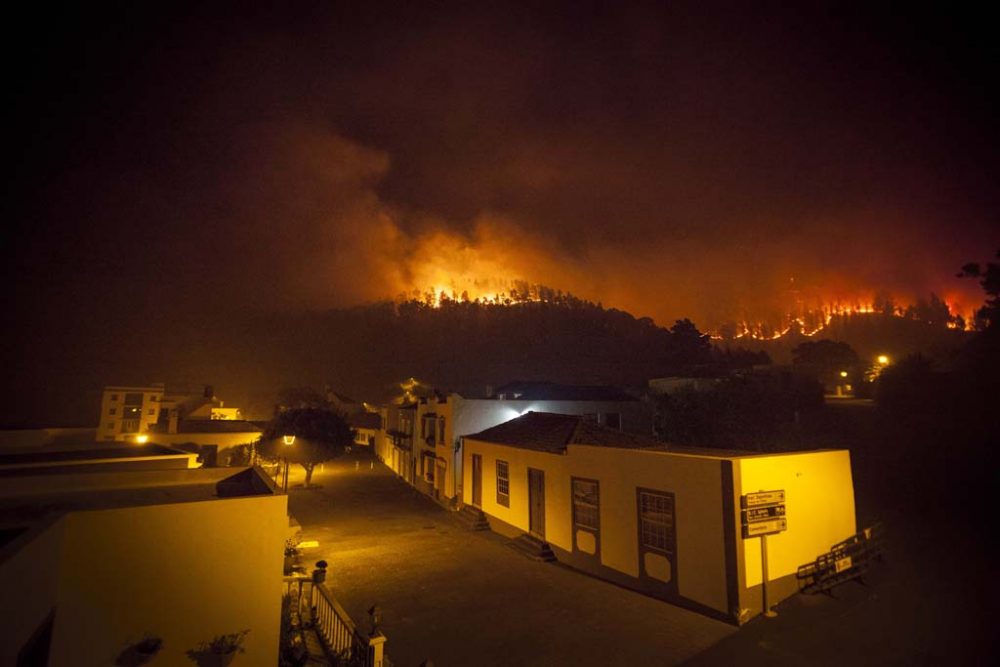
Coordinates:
(291, 553)
(140, 652)
(225, 647)
(148, 646)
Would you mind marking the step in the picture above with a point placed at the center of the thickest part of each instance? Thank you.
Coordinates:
(533, 548)
(472, 518)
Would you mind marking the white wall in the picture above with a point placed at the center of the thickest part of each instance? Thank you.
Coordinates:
(695, 482)
(819, 504)
(29, 568)
(184, 572)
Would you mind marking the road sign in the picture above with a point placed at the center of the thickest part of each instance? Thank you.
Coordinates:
(760, 528)
(763, 513)
(762, 498)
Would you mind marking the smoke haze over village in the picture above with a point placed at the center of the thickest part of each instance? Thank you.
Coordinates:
(672, 162)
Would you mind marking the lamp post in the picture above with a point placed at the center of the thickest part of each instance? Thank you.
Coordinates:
(289, 440)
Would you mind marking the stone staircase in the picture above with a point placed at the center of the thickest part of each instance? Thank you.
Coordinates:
(472, 518)
(533, 548)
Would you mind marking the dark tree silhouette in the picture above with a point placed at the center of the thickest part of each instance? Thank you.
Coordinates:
(989, 280)
(320, 435)
(690, 346)
(827, 358)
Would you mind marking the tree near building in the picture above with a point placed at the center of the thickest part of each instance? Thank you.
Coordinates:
(827, 359)
(320, 435)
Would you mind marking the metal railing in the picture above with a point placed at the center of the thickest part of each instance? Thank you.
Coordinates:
(338, 633)
(850, 559)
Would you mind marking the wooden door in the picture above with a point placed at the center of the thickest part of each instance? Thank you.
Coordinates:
(536, 502)
(477, 480)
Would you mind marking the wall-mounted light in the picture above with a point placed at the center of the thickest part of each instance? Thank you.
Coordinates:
(142, 439)
(288, 439)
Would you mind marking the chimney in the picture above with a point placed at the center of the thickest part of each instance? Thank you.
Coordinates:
(172, 421)
(209, 391)
(489, 391)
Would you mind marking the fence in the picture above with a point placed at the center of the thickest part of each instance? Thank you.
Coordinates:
(846, 560)
(336, 630)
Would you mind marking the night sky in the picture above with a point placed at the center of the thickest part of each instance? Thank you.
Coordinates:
(670, 159)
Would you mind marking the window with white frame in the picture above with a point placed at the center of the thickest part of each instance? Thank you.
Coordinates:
(656, 521)
(586, 504)
(503, 484)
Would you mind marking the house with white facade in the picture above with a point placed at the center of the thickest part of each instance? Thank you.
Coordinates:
(432, 438)
(662, 520)
(194, 421)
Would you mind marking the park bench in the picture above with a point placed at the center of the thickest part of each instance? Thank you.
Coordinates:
(847, 560)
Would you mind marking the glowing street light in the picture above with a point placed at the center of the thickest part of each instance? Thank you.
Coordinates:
(843, 374)
(142, 439)
(883, 360)
(289, 440)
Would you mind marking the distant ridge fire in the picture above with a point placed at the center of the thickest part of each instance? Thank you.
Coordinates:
(808, 321)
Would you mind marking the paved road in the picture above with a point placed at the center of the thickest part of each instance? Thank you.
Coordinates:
(466, 598)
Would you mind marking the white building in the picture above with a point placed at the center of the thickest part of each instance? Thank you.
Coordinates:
(430, 442)
(116, 557)
(661, 520)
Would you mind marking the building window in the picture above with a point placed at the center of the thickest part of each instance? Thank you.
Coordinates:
(503, 484)
(656, 521)
(613, 420)
(440, 431)
(114, 397)
(586, 504)
(111, 426)
(152, 412)
(112, 411)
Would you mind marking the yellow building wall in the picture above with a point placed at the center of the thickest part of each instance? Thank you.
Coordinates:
(696, 485)
(28, 584)
(184, 572)
(223, 440)
(819, 504)
(694, 481)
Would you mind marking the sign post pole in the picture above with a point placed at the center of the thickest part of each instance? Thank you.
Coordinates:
(768, 612)
(763, 514)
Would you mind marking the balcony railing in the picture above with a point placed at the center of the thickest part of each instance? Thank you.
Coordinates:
(130, 426)
(341, 638)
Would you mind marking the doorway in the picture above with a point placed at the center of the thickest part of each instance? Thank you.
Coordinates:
(477, 480)
(536, 502)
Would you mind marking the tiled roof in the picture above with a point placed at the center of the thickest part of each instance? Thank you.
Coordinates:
(549, 432)
(550, 391)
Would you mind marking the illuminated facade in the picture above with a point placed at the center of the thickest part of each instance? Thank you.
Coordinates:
(127, 412)
(197, 420)
(429, 432)
(658, 519)
(181, 555)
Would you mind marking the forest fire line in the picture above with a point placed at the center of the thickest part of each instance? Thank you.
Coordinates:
(802, 321)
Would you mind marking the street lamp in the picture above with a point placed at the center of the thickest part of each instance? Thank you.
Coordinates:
(289, 440)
